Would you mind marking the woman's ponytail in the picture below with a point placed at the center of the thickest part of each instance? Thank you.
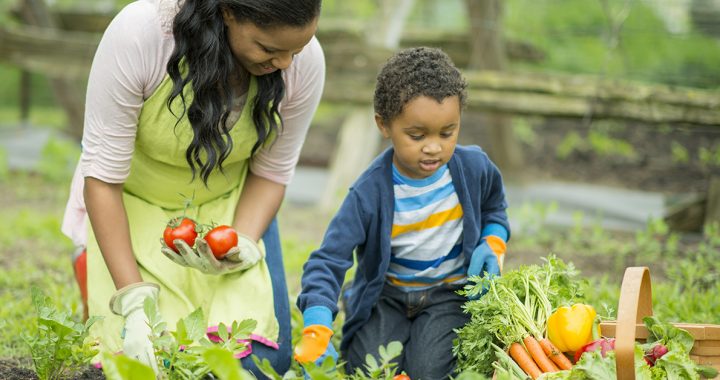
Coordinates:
(202, 59)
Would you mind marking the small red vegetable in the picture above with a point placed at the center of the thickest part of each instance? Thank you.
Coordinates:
(180, 228)
(221, 239)
(604, 344)
(655, 353)
(401, 376)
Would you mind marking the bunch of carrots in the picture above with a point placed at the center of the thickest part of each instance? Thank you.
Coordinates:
(522, 310)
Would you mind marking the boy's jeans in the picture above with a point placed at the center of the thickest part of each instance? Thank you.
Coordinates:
(423, 321)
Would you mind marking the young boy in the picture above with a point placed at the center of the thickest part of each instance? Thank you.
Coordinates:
(422, 218)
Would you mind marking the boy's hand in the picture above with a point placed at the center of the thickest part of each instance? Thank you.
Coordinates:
(315, 345)
(487, 258)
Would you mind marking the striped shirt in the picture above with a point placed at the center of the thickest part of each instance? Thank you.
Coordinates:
(427, 232)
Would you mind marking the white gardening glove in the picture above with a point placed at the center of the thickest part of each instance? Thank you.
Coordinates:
(128, 303)
(239, 258)
(247, 252)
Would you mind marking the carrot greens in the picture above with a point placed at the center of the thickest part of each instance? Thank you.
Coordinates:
(517, 305)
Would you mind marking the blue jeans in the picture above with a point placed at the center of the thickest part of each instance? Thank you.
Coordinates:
(423, 321)
(280, 358)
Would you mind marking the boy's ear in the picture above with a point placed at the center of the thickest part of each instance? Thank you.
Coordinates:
(228, 16)
(381, 126)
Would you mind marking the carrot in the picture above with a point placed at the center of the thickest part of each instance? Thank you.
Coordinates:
(542, 360)
(524, 360)
(555, 354)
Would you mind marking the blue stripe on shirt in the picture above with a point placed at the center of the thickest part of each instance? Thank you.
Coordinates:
(419, 201)
(399, 179)
(425, 264)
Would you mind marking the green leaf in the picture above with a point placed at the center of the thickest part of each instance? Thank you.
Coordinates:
(677, 365)
(196, 325)
(394, 349)
(224, 365)
(266, 368)
(121, 367)
(470, 375)
(672, 337)
(370, 362)
(594, 366)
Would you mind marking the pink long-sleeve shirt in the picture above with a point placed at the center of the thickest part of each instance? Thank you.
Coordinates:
(129, 64)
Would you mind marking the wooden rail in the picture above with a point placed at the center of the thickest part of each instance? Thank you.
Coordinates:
(351, 72)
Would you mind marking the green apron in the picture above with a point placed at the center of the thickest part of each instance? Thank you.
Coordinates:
(155, 191)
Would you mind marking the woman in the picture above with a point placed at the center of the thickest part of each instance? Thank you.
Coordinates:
(202, 100)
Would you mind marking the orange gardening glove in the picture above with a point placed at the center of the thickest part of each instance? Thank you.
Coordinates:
(315, 345)
(315, 342)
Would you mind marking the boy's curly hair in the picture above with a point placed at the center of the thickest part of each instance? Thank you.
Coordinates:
(413, 72)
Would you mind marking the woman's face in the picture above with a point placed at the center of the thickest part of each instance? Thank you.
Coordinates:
(263, 51)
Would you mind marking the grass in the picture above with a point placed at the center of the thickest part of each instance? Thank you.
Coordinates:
(32, 251)
(49, 116)
(577, 38)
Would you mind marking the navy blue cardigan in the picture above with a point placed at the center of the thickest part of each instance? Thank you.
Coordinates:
(363, 225)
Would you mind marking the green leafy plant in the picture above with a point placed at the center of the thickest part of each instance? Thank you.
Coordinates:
(384, 369)
(523, 130)
(679, 153)
(58, 159)
(60, 346)
(570, 143)
(516, 303)
(186, 353)
(123, 367)
(605, 145)
(181, 354)
(709, 157)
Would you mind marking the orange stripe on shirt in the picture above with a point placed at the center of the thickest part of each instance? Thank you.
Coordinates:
(432, 221)
(448, 280)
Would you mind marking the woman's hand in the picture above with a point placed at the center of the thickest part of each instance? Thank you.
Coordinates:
(239, 258)
(128, 302)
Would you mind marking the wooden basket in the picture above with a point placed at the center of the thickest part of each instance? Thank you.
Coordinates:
(635, 304)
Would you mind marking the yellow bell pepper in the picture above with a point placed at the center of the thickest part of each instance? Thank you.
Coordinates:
(571, 327)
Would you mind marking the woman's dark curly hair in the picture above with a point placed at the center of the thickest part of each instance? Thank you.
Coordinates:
(201, 47)
(413, 72)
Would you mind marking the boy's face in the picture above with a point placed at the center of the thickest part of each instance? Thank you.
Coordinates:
(424, 135)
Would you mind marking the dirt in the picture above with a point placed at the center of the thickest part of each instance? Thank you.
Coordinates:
(14, 370)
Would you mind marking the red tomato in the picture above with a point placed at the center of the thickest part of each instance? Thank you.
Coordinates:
(221, 239)
(401, 376)
(183, 229)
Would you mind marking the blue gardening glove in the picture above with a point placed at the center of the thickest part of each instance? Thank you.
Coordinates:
(488, 256)
(484, 260)
(315, 345)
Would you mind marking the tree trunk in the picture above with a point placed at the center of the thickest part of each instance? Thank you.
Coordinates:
(66, 91)
(487, 49)
(359, 139)
(487, 52)
(25, 83)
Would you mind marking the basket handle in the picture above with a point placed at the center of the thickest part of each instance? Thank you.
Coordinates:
(635, 304)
